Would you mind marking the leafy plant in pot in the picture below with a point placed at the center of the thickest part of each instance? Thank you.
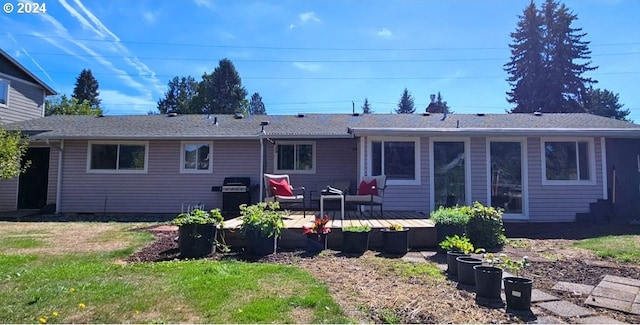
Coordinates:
(488, 277)
(517, 289)
(197, 231)
(356, 239)
(261, 226)
(449, 221)
(317, 235)
(455, 246)
(395, 239)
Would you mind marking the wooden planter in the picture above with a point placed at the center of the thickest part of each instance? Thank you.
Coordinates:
(355, 242)
(395, 242)
(196, 240)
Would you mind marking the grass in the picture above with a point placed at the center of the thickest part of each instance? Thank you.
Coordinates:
(623, 248)
(95, 287)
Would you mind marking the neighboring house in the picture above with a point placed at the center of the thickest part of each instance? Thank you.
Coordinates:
(539, 167)
(22, 94)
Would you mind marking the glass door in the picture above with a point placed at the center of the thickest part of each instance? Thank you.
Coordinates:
(506, 176)
(449, 178)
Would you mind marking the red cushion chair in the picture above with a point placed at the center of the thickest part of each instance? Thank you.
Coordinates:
(370, 192)
(279, 189)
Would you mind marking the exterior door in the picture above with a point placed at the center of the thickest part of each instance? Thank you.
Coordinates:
(33, 183)
(449, 174)
(506, 176)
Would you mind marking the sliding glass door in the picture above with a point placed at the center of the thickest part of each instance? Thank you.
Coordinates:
(449, 173)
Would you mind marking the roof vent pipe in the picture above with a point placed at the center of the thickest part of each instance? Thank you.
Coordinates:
(458, 124)
(537, 113)
(480, 114)
(172, 114)
(238, 116)
(215, 120)
(425, 114)
(300, 114)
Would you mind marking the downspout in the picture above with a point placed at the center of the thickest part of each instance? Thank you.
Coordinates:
(261, 167)
(59, 179)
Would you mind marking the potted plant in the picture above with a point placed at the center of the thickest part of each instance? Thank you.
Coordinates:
(395, 239)
(449, 222)
(488, 277)
(317, 235)
(261, 225)
(517, 289)
(197, 232)
(455, 246)
(356, 239)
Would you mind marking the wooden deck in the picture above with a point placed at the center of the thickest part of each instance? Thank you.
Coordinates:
(422, 233)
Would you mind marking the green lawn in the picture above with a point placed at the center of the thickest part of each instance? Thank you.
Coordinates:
(96, 287)
(622, 248)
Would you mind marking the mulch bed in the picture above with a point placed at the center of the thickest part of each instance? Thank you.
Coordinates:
(369, 294)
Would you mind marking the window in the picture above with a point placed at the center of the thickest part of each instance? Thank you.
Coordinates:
(121, 157)
(297, 157)
(506, 176)
(449, 173)
(196, 157)
(568, 161)
(4, 93)
(395, 158)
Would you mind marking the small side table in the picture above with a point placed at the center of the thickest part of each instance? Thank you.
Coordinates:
(332, 197)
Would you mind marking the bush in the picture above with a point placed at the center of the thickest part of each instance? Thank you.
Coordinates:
(485, 228)
(457, 243)
(450, 216)
(359, 228)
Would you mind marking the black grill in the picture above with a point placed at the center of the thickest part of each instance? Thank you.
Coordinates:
(235, 191)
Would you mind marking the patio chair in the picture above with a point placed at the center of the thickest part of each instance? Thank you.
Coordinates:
(370, 192)
(279, 189)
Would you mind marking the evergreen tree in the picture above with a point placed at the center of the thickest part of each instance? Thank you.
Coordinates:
(544, 71)
(405, 104)
(605, 103)
(86, 88)
(179, 97)
(221, 92)
(437, 105)
(256, 106)
(366, 107)
(63, 105)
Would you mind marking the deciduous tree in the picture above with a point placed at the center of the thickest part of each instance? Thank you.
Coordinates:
(63, 105)
(12, 149)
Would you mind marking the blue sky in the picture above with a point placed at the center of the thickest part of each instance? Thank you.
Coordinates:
(309, 56)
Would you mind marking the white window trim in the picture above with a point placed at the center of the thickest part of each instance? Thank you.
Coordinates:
(294, 171)
(8, 83)
(119, 171)
(467, 169)
(196, 171)
(525, 176)
(416, 146)
(592, 162)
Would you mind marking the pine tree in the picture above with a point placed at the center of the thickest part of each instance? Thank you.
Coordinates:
(179, 97)
(605, 103)
(544, 71)
(366, 107)
(256, 106)
(221, 92)
(405, 104)
(86, 88)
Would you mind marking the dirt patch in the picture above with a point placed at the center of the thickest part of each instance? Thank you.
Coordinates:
(369, 291)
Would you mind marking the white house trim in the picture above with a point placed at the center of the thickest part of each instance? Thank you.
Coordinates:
(592, 161)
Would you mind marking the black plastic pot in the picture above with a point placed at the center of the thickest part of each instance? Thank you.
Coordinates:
(355, 242)
(488, 281)
(452, 264)
(316, 243)
(517, 291)
(260, 245)
(466, 274)
(196, 240)
(395, 242)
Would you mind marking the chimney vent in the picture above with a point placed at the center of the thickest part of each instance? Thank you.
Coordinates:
(425, 114)
(480, 114)
(172, 114)
(238, 116)
(300, 114)
(537, 113)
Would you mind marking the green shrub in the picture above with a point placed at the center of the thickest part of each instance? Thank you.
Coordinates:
(457, 243)
(485, 228)
(261, 218)
(200, 217)
(450, 216)
(359, 228)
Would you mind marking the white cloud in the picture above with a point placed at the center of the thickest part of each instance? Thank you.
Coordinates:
(150, 17)
(311, 67)
(385, 33)
(117, 103)
(304, 18)
(205, 3)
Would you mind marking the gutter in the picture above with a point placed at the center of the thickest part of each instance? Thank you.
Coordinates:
(618, 133)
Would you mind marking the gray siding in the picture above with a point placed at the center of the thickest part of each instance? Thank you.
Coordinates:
(8, 194)
(26, 102)
(163, 189)
(559, 203)
(479, 170)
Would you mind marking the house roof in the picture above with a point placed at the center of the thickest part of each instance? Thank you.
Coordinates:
(25, 74)
(320, 126)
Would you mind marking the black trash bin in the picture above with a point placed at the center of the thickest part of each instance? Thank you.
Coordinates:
(235, 191)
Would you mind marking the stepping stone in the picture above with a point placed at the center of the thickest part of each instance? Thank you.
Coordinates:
(564, 308)
(621, 280)
(603, 291)
(635, 309)
(548, 320)
(619, 287)
(540, 296)
(574, 288)
(604, 302)
(598, 320)
(414, 257)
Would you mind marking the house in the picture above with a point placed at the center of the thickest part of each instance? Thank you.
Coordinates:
(538, 167)
(22, 94)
